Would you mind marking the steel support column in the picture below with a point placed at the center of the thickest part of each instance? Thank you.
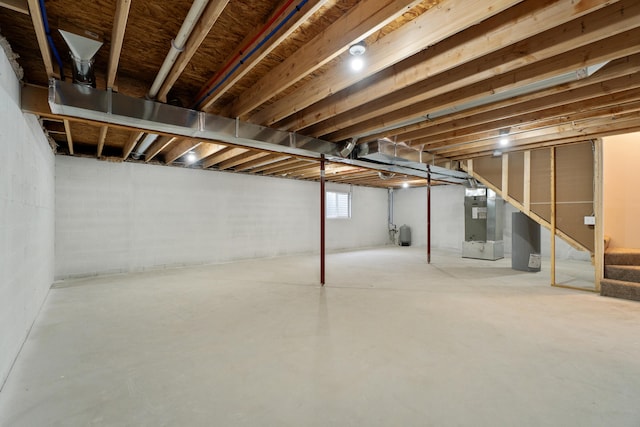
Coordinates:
(428, 214)
(322, 218)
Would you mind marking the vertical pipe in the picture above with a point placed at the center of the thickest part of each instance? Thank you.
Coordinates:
(428, 214)
(322, 218)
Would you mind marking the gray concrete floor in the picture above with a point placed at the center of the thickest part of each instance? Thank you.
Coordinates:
(390, 341)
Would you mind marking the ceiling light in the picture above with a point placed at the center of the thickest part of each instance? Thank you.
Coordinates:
(357, 51)
(191, 157)
(405, 185)
(504, 137)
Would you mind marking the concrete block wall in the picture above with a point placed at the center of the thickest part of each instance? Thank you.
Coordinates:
(26, 218)
(122, 217)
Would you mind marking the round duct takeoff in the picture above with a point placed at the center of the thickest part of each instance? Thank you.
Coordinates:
(82, 50)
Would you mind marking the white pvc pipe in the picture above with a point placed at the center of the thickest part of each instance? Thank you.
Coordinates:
(177, 45)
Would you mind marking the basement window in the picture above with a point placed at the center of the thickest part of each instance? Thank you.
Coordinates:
(338, 204)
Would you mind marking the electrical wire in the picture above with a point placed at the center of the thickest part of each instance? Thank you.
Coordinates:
(45, 22)
(258, 46)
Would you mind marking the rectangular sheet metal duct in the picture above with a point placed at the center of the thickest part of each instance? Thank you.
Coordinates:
(110, 107)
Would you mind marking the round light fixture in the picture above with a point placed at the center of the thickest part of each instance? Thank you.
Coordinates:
(504, 141)
(405, 185)
(357, 51)
(191, 157)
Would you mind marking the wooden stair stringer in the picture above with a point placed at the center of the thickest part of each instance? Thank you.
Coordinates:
(520, 206)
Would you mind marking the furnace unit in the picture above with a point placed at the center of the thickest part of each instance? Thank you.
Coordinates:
(482, 224)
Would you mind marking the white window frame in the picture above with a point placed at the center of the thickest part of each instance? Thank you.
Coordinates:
(335, 206)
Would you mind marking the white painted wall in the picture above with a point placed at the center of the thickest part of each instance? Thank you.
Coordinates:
(119, 217)
(621, 204)
(447, 215)
(26, 218)
(447, 221)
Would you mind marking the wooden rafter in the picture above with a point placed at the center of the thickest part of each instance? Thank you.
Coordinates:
(101, 139)
(519, 105)
(179, 150)
(20, 6)
(117, 37)
(222, 155)
(592, 54)
(247, 65)
(207, 20)
(266, 160)
(158, 145)
(67, 129)
(241, 158)
(38, 26)
(362, 20)
(513, 26)
(134, 137)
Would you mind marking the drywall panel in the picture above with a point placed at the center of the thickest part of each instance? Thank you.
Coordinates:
(447, 215)
(516, 176)
(574, 191)
(541, 183)
(120, 217)
(26, 218)
(490, 168)
(621, 203)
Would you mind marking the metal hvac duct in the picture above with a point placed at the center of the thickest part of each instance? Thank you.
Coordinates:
(156, 118)
(82, 51)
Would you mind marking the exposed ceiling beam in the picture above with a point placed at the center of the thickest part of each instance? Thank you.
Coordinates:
(179, 150)
(206, 149)
(20, 6)
(362, 20)
(158, 145)
(220, 83)
(602, 51)
(613, 70)
(444, 20)
(222, 155)
(241, 158)
(521, 22)
(552, 135)
(117, 37)
(67, 130)
(41, 36)
(101, 139)
(290, 161)
(266, 160)
(200, 32)
(134, 137)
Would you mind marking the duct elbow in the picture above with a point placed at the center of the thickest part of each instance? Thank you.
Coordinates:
(348, 148)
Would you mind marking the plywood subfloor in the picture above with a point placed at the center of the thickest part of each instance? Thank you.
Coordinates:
(389, 341)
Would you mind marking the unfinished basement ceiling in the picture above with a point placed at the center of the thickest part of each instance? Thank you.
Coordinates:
(446, 77)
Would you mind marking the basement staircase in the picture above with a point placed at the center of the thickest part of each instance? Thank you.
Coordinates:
(621, 274)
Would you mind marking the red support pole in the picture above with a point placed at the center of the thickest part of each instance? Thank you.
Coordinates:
(322, 218)
(428, 214)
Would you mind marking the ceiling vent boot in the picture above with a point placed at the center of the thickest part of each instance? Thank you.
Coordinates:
(82, 50)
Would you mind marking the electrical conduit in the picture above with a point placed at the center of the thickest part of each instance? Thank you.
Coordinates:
(213, 79)
(247, 56)
(177, 45)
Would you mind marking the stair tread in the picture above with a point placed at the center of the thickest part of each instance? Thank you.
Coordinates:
(623, 266)
(634, 251)
(620, 289)
(620, 282)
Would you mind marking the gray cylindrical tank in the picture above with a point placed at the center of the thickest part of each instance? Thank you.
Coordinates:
(405, 236)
